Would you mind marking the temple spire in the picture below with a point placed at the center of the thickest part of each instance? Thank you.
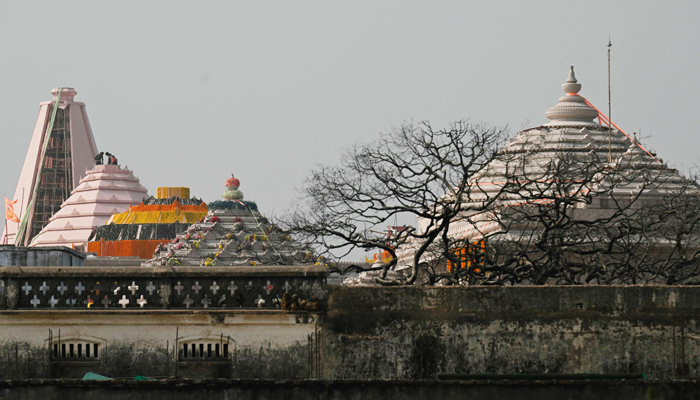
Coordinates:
(571, 86)
(572, 109)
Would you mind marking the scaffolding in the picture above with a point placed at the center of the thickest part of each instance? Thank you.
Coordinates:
(56, 178)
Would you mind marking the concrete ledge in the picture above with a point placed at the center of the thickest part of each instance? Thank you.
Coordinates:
(164, 271)
(174, 389)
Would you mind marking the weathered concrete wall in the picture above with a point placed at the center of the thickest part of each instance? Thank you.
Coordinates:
(128, 321)
(341, 390)
(57, 256)
(261, 344)
(416, 333)
(401, 333)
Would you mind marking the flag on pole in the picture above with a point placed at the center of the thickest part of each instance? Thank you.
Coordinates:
(10, 210)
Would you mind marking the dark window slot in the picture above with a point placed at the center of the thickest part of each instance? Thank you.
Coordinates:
(194, 354)
(95, 348)
(209, 350)
(87, 350)
(226, 350)
(63, 350)
(201, 350)
(184, 350)
(217, 350)
(55, 351)
(80, 350)
(72, 348)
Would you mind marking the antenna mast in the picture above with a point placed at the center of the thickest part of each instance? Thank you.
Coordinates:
(609, 108)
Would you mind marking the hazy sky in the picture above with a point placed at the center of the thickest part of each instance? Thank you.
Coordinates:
(185, 93)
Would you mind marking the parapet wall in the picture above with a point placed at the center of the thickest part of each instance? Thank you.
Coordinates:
(45, 256)
(416, 332)
(360, 333)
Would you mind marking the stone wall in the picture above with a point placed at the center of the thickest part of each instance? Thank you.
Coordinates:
(185, 321)
(58, 256)
(417, 333)
(360, 333)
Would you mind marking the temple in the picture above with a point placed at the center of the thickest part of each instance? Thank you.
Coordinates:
(574, 138)
(62, 148)
(155, 221)
(104, 191)
(233, 233)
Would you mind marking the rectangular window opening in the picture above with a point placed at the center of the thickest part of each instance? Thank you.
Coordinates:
(80, 350)
(209, 350)
(87, 350)
(55, 351)
(94, 347)
(201, 350)
(184, 350)
(72, 349)
(63, 350)
(226, 350)
(194, 354)
(216, 352)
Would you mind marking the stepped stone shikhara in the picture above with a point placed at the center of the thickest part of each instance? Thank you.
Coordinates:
(572, 134)
(105, 190)
(61, 149)
(572, 137)
(233, 233)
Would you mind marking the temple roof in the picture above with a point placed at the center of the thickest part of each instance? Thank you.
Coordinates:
(234, 233)
(572, 136)
(104, 191)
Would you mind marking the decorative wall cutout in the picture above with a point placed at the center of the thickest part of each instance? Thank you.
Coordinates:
(185, 293)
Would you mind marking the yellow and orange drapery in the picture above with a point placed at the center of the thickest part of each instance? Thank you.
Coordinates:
(160, 214)
(125, 248)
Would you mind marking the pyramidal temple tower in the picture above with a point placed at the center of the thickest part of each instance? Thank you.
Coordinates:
(105, 190)
(60, 152)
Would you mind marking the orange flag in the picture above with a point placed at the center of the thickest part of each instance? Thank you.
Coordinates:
(10, 210)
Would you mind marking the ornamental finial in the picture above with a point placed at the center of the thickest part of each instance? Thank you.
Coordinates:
(571, 86)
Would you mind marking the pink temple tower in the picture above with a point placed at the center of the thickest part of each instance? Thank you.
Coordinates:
(61, 150)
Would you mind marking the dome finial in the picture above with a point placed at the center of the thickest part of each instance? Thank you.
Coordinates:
(634, 140)
(571, 86)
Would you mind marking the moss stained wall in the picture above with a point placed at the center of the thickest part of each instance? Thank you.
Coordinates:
(415, 332)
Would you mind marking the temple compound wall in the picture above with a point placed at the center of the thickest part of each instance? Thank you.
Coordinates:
(219, 322)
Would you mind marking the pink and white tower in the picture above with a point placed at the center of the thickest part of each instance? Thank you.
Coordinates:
(61, 150)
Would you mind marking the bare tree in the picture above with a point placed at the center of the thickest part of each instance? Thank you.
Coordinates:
(578, 219)
(415, 171)
(491, 216)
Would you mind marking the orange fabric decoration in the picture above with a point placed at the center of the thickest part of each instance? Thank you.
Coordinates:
(10, 210)
(126, 248)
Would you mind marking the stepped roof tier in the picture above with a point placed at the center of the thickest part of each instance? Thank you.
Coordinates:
(139, 230)
(233, 233)
(105, 190)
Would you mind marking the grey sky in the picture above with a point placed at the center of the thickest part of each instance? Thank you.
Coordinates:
(185, 93)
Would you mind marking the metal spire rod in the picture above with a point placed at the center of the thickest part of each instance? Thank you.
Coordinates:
(609, 108)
